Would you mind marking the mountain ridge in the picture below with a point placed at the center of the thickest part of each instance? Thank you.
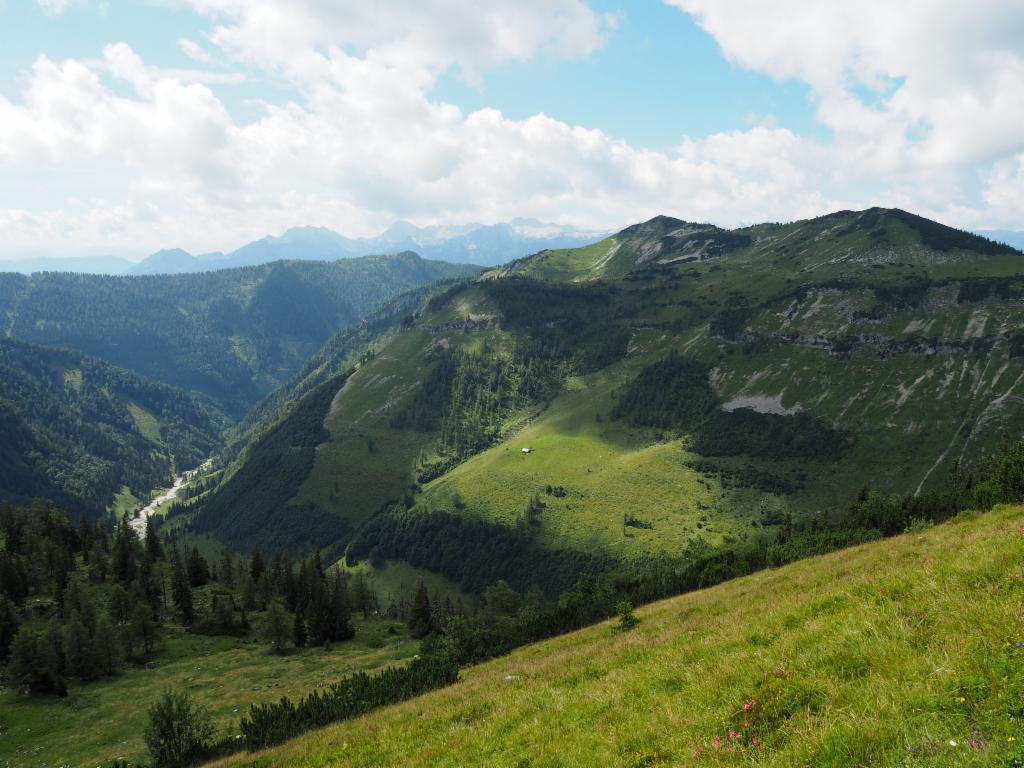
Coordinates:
(545, 353)
(230, 335)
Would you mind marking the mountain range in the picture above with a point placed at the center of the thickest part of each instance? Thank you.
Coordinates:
(229, 337)
(696, 382)
(395, 450)
(484, 245)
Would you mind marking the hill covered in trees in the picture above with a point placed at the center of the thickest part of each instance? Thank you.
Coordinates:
(674, 388)
(76, 429)
(229, 336)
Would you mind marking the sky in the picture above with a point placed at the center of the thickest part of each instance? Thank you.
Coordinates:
(126, 127)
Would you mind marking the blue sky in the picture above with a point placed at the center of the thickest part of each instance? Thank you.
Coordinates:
(658, 78)
(127, 126)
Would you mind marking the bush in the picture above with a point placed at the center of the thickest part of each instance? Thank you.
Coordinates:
(179, 733)
(627, 619)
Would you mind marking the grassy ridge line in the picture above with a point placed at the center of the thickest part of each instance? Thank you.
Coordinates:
(901, 652)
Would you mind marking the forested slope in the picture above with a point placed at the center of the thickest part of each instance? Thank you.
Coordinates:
(76, 429)
(230, 336)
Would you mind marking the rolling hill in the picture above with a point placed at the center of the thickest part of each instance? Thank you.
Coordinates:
(76, 429)
(230, 336)
(904, 652)
(674, 386)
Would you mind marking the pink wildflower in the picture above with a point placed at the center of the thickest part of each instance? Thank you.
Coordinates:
(716, 741)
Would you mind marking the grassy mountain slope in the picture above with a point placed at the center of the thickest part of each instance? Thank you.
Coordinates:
(76, 429)
(814, 354)
(905, 652)
(231, 336)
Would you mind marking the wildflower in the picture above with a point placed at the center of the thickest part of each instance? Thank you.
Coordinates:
(755, 741)
(952, 742)
(1011, 738)
(1020, 645)
(749, 705)
(716, 741)
(962, 699)
(746, 724)
(732, 735)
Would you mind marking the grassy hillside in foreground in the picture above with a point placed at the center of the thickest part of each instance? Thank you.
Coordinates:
(101, 721)
(905, 652)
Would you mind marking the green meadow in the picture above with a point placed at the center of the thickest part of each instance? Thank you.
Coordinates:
(904, 652)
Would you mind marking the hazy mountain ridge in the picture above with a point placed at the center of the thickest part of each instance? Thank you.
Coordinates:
(484, 245)
(231, 335)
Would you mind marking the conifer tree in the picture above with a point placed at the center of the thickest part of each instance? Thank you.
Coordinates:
(420, 618)
(340, 610)
(143, 627)
(107, 646)
(277, 631)
(256, 566)
(124, 555)
(8, 625)
(154, 549)
(198, 569)
(299, 634)
(227, 569)
(181, 589)
(80, 658)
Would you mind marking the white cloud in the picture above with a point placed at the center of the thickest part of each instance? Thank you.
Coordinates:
(913, 91)
(194, 51)
(54, 7)
(120, 156)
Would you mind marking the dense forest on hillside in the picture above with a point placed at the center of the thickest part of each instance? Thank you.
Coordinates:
(231, 335)
(75, 429)
(253, 503)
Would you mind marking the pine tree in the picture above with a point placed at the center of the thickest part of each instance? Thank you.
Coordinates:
(179, 732)
(276, 630)
(154, 549)
(198, 569)
(420, 618)
(256, 566)
(107, 646)
(340, 609)
(181, 589)
(80, 657)
(299, 634)
(126, 544)
(142, 627)
(227, 569)
(318, 614)
(8, 625)
(119, 604)
(363, 597)
(34, 664)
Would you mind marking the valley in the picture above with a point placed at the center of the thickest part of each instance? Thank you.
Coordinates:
(494, 463)
(819, 351)
(564, 384)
